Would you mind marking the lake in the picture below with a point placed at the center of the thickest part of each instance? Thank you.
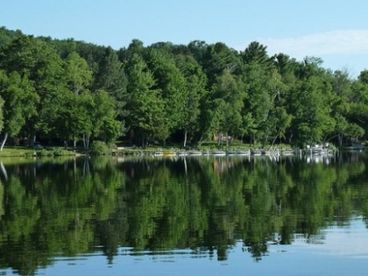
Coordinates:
(184, 216)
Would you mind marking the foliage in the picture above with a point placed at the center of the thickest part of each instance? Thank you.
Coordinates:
(20, 101)
(99, 148)
(146, 115)
(62, 91)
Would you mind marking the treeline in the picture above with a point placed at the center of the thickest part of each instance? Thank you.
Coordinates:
(72, 92)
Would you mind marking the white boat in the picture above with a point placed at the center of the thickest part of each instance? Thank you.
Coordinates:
(195, 153)
(243, 152)
(287, 153)
(256, 152)
(219, 153)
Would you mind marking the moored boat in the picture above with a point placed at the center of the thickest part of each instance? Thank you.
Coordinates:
(287, 153)
(256, 152)
(194, 153)
(243, 152)
(219, 153)
(182, 153)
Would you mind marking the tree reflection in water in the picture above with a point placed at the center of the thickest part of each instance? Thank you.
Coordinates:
(67, 208)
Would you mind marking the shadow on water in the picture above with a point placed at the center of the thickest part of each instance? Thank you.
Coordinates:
(65, 209)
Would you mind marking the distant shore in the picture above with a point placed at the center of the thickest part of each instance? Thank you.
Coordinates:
(238, 150)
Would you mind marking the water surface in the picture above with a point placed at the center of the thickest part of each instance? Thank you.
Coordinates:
(199, 216)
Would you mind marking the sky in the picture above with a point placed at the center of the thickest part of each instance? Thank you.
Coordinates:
(335, 30)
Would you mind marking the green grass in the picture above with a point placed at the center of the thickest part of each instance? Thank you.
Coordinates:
(17, 152)
(30, 152)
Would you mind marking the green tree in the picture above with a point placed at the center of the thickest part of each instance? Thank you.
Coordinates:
(77, 74)
(146, 118)
(35, 58)
(20, 100)
(311, 100)
(262, 85)
(85, 117)
(219, 57)
(195, 91)
(358, 113)
(226, 98)
(341, 108)
(37, 61)
(258, 102)
(111, 77)
(1, 114)
(106, 126)
(171, 84)
(279, 120)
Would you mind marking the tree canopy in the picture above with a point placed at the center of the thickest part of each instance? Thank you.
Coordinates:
(61, 91)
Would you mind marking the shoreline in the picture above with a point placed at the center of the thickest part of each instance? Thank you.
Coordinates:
(283, 150)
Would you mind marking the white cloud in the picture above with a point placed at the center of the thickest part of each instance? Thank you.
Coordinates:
(347, 42)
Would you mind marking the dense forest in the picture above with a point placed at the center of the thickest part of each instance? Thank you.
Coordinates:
(67, 92)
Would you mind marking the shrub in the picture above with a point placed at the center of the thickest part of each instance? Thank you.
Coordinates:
(44, 152)
(100, 148)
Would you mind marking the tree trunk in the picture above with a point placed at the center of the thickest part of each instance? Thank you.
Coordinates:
(340, 140)
(75, 168)
(4, 141)
(185, 138)
(84, 141)
(74, 142)
(86, 169)
(4, 171)
(87, 141)
(290, 138)
(274, 140)
(16, 141)
(185, 166)
(131, 137)
(34, 140)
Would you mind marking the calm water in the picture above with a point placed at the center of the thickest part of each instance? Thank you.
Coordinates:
(198, 216)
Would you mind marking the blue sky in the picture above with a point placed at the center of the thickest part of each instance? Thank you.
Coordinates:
(335, 30)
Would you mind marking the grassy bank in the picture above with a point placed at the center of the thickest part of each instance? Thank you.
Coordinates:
(30, 152)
